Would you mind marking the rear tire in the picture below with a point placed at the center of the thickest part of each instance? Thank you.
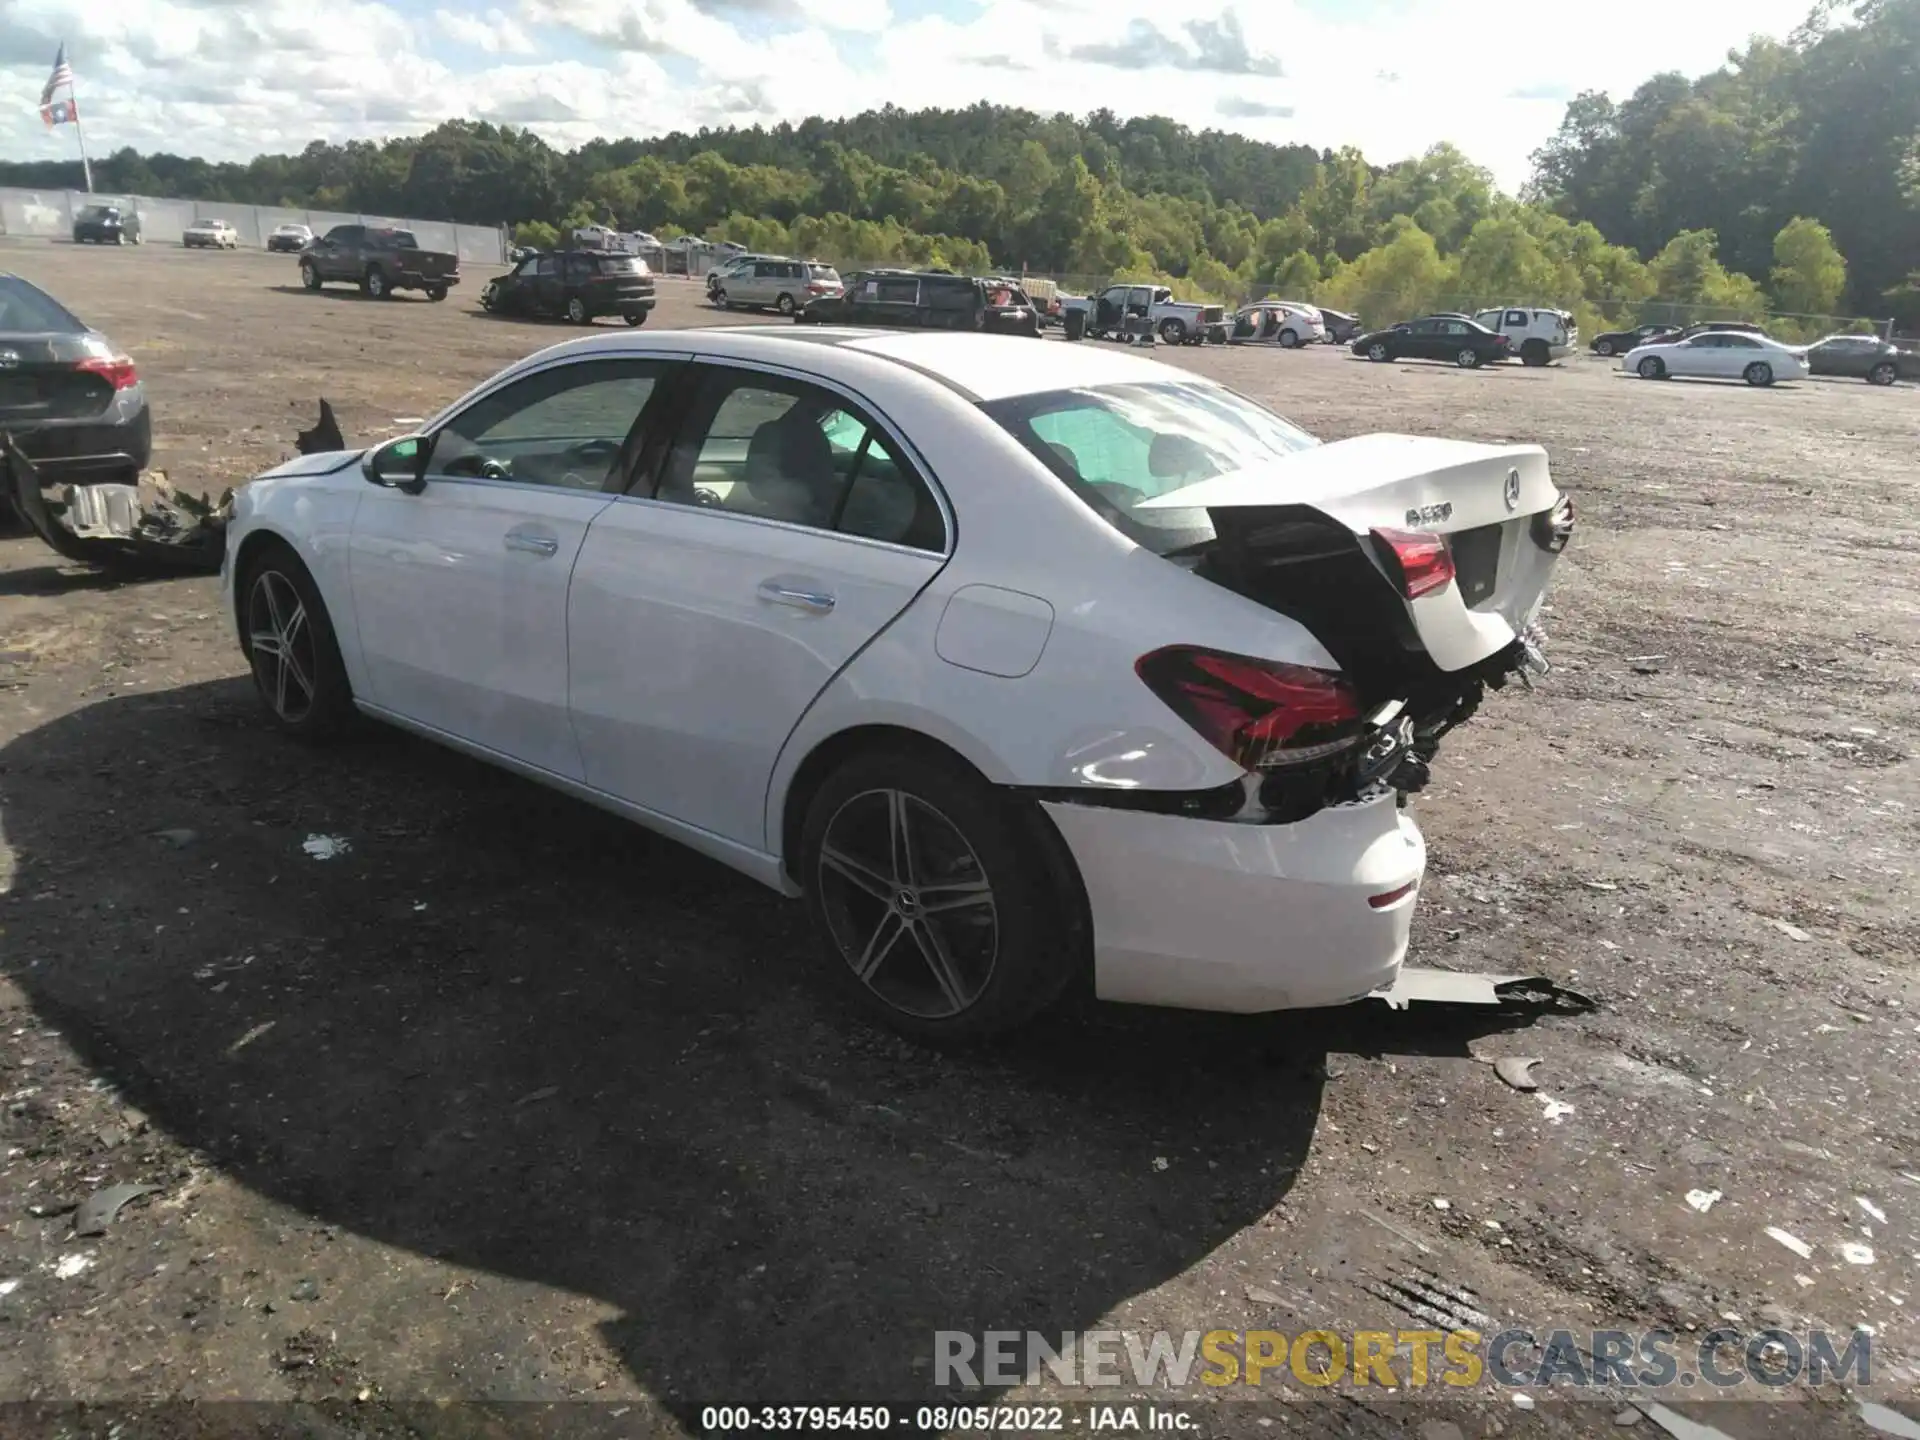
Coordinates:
(1468, 359)
(1885, 373)
(577, 312)
(1759, 374)
(282, 614)
(309, 275)
(1173, 332)
(1289, 340)
(975, 938)
(374, 285)
(785, 305)
(1603, 348)
(436, 292)
(1653, 368)
(636, 317)
(1535, 353)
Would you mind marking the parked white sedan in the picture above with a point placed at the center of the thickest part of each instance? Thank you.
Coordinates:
(1719, 355)
(1013, 661)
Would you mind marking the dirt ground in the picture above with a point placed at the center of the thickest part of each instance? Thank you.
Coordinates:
(509, 1102)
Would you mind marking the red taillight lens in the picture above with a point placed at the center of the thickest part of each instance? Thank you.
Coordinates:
(118, 371)
(1260, 713)
(1424, 562)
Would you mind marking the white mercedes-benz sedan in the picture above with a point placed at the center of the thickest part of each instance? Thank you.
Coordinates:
(1719, 355)
(1016, 662)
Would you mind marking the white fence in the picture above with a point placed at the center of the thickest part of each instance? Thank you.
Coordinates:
(49, 215)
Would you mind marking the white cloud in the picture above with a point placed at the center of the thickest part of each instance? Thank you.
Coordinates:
(228, 79)
(495, 32)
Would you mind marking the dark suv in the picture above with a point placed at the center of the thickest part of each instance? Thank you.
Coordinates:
(576, 285)
(106, 225)
(926, 300)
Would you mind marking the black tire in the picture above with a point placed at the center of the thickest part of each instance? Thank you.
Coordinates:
(636, 317)
(1535, 353)
(1652, 367)
(577, 312)
(1031, 939)
(309, 275)
(785, 305)
(1073, 325)
(1468, 359)
(1603, 348)
(436, 292)
(1379, 353)
(1173, 332)
(1289, 340)
(329, 706)
(374, 284)
(1885, 373)
(1759, 374)
(720, 298)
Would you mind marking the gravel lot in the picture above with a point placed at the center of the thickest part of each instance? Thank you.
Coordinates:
(510, 1102)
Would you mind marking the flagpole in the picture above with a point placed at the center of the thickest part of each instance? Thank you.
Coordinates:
(86, 165)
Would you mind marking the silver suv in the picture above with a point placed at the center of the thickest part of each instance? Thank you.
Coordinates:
(783, 285)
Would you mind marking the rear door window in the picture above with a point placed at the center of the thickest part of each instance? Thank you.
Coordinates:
(896, 290)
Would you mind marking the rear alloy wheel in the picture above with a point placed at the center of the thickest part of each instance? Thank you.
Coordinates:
(1603, 348)
(1173, 332)
(1759, 374)
(297, 670)
(934, 896)
(1468, 359)
(1885, 373)
(720, 299)
(785, 305)
(309, 275)
(376, 284)
(1653, 368)
(1289, 340)
(1378, 351)
(577, 310)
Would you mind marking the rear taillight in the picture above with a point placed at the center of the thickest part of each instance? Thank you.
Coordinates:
(118, 371)
(1262, 714)
(1552, 529)
(1421, 563)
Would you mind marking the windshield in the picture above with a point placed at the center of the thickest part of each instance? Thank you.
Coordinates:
(25, 309)
(99, 212)
(1115, 446)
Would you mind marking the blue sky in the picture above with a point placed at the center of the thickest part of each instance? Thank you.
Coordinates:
(227, 78)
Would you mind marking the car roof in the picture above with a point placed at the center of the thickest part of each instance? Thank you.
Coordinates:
(980, 367)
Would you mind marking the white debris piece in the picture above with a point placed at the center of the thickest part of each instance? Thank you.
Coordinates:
(1703, 1200)
(1792, 1242)
(1854, 1253)
(1160, 1162)
(1552, 1110)
(7, 1287)
(1872, 1209)
(69, 1266)
(326, 847)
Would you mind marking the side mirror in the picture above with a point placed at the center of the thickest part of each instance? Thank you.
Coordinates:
(399, 464)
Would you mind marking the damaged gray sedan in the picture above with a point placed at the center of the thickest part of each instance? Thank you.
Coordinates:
(76, 436)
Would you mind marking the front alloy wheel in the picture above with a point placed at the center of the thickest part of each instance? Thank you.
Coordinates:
(1652, 368)
(280, 644)
(1378, 351)
(1467, 359)
(1603, 348)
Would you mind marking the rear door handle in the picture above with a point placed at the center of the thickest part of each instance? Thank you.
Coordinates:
(814, 602)
(532, 543)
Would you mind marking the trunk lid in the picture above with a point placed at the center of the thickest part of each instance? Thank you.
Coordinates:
(42, 380)
(1303, 535)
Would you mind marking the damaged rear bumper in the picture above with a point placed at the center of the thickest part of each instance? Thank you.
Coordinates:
(115, 522)
(1207, 914)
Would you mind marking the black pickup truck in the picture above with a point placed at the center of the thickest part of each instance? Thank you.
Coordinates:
(380, 260)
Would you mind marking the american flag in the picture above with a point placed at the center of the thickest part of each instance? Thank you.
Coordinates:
(62, 75)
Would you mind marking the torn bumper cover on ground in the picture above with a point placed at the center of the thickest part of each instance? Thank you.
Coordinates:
(148, 523)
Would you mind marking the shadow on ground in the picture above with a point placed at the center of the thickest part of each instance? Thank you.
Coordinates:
(509, 1031)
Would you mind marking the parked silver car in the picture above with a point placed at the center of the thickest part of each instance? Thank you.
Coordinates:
(783, 285)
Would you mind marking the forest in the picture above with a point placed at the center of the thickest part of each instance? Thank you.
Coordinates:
(1787, 181)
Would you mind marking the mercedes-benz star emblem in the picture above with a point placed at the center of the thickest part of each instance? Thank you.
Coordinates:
(9, 359)
(1513, 488)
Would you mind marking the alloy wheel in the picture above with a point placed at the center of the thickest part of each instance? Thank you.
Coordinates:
(1376, 351)
(280, 645)
(1603, 349)
(908, 904)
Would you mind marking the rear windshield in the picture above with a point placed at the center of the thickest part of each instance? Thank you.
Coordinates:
(26, 309)
(399, 239)
(100, 212)
(619, 265)
(1115, 446)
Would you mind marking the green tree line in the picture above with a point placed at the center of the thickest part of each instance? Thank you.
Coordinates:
(1787, 180)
